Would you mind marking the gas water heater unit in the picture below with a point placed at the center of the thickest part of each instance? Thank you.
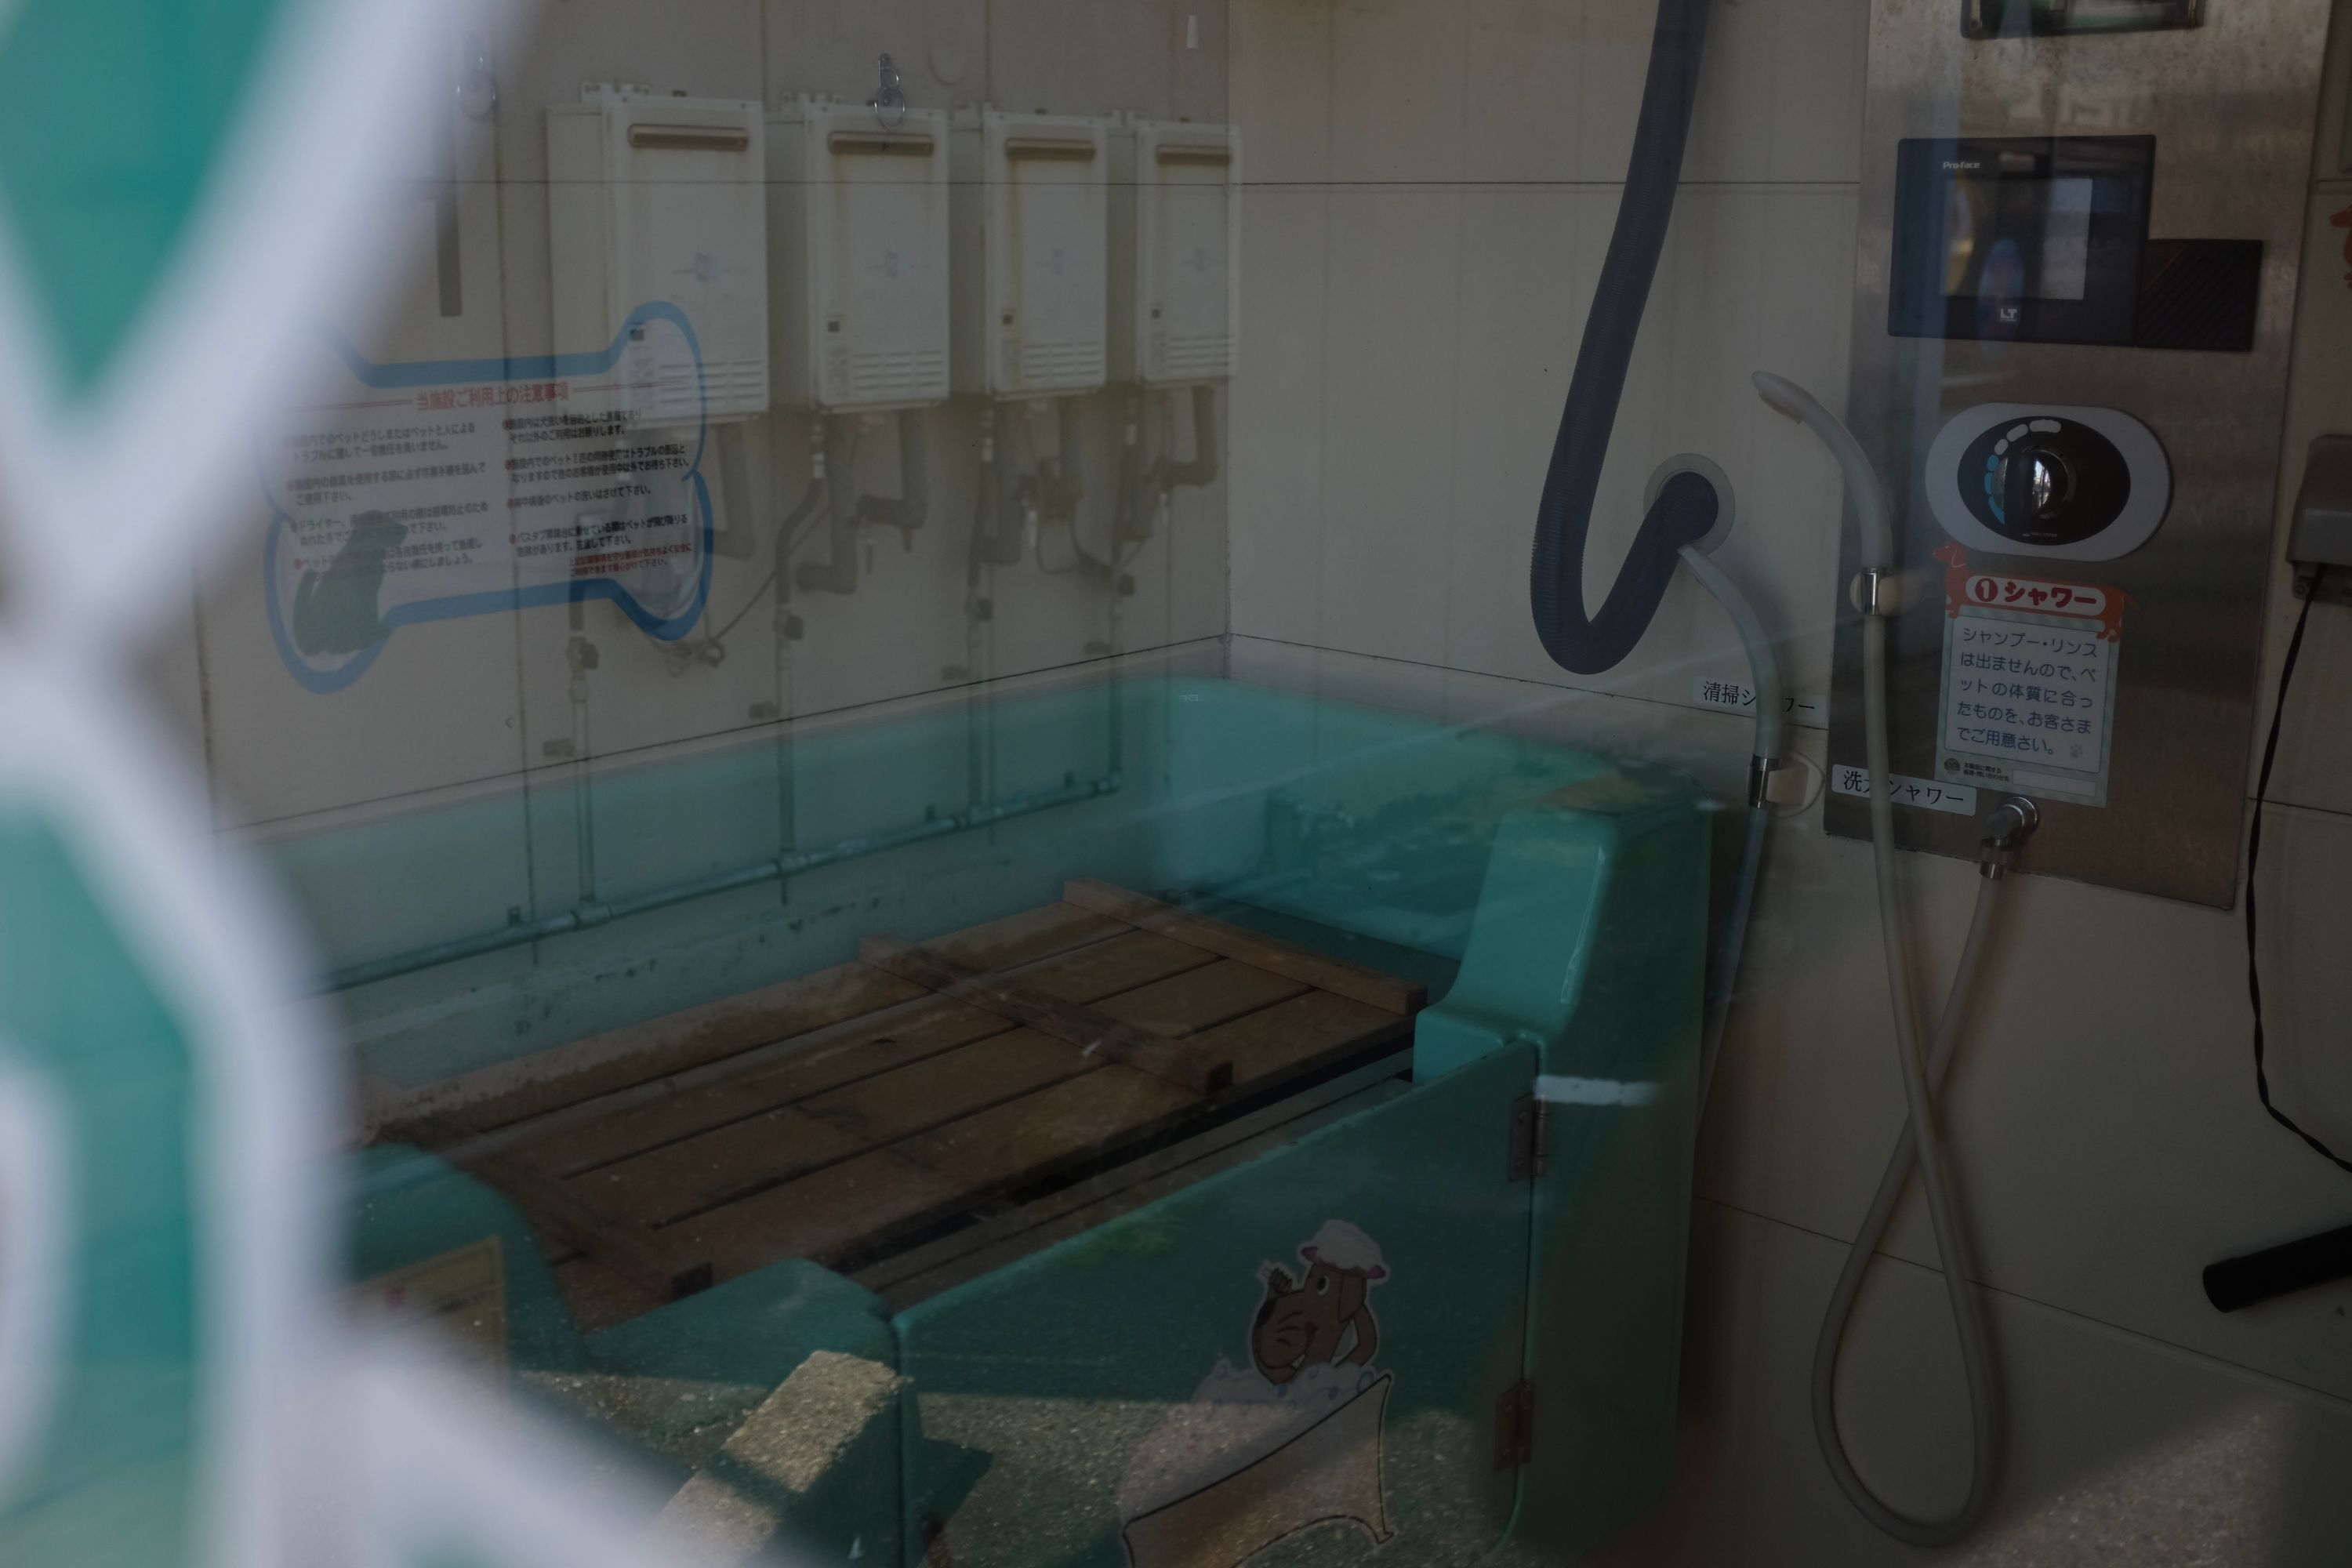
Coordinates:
(1175, 252)
(1032, 224)
(858, 223)
(659, 200)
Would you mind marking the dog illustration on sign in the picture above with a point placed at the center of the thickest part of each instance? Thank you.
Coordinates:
(1288, 1443)
(1325, 1319)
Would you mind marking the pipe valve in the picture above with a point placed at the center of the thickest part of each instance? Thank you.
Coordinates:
(2006, 828)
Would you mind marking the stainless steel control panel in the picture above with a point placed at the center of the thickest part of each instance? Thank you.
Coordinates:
(2083, 527)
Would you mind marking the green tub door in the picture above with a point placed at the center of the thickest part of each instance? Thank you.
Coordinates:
(1296, 1361)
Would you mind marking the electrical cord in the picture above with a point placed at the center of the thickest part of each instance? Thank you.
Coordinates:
(1081, 558)
(2253, 859)
(794, 529)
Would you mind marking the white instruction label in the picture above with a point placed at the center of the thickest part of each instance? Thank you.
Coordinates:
(2026, 701)
(1732, 694)
(1925, 794)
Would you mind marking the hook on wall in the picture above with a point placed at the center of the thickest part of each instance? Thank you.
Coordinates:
(889, 102)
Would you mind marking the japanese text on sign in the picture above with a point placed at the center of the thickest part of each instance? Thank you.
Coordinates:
(2037, 597)
(2027, 700)
(414, 493)
(1928, 794)
(1732, 695)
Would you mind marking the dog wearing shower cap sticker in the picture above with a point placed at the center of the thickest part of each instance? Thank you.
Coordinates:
(1324, 1319)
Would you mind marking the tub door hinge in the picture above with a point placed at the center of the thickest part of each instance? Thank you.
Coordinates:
(1515, 1425)
(1530, 1136)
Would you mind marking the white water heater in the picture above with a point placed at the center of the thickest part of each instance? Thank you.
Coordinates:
(858, 233)
(658, 200)
(1175, 252)
(1032, 228)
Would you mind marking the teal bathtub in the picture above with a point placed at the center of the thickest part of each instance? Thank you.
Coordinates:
(1505, 1219)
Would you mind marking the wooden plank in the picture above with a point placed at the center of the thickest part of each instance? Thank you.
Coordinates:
(685, 1177)
(845, 1054)
(1073, 1124)
(843, 1057)
(600, 1295)
(1275, 1042)
(881, 1130)
(1016, 1107)
(649, 1259)
(748, 1154)
(998, 1250)
(556, 1214)
(1181, 1064)
(1042, 1221)
(1131, 958)
(1320, 970)
(1221, 990)
(638, 1053)
(822, 1216)
(1026, 937)
(921, 1096)
(1052, 1130)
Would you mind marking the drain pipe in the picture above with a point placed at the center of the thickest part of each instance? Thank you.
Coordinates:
(1163, 477)
(905, 511)
(581, 654)
(838, 573)
(988, 547)
(788, 630)
(1061, 482)
(993, 538)
(1129, 525)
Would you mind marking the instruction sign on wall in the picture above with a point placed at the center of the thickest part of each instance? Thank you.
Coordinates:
(2029, 682)
(408, 493)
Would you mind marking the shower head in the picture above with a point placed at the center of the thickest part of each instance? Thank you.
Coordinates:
(1868, 498)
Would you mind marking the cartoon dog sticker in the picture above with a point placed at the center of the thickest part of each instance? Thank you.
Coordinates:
(1292, 1442)
(1326, 1319)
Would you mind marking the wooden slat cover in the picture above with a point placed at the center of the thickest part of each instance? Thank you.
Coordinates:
(1081, 1026)
(1199, 998)
(920, 1273)
(821, 1215)
(640, 1053)
(841, 1138)
(637, 1054)
(853, 1054)
(790, 1070)
(685, 1178)
(1031, 1139)
(600, 1295)
(1318, 970)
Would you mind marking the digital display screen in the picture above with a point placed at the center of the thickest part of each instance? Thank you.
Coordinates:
(2034, 239)
(2012, 237)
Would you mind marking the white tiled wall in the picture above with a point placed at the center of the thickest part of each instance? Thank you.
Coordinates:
(1441, 176)
(484, 702)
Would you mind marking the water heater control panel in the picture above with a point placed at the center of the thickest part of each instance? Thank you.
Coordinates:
(2070, 484)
